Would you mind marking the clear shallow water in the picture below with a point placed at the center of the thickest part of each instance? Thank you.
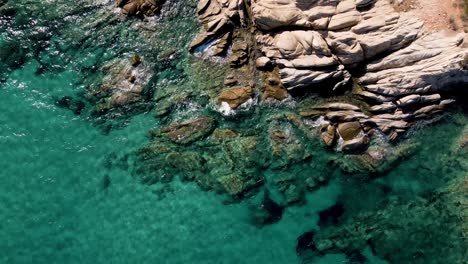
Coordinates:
(55, 210)
(67, 194)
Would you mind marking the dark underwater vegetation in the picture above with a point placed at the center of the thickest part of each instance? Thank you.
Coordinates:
(151, 173)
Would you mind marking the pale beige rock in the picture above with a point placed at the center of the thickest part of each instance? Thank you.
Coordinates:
(385, 107)
(337, 107)
(217, 18)
(317, 43)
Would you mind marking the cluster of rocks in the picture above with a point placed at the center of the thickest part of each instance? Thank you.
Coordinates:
(224, 161)
(401, 72)
(232, 160)
(341, 124)
(123, 84)
(219, 18)
(400, 223)
(140, 7)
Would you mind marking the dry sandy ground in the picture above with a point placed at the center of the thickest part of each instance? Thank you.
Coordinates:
(438, 15)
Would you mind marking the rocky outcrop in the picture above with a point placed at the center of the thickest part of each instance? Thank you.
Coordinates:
(386, 229)
(401, 72)
(140, 7)
(218, 18)
(123, 84)
(406, 68)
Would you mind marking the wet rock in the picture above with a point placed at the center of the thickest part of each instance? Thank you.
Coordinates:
(240, 54)
(122, 85)
(329, 135)
(217, 18)
(273, 88)
(230, 80)
(233, 184)
(188, 164)
(355, 145)
(234, 97)
(400, 222)
(140, 7)
(190, 130)
(76, 106)
(349, 130)
(286, 147)
(151, 163)
(223, 135)
(294, 194)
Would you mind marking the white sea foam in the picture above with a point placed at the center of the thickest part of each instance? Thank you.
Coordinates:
(225, 109)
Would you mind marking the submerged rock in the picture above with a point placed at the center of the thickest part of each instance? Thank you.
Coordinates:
(190, 130)
(12, 56)
(76, 106)
(406, 223)
(305, 242)
(124, 83)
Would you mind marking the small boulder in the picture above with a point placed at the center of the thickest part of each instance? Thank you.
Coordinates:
(140, 7)
(349, 130)
(329, 135)
(263, 63)
(235, 96)
(355, 145)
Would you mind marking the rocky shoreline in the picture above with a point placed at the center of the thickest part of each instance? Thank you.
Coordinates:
(397, 71)
(272, 101)
(356, 74)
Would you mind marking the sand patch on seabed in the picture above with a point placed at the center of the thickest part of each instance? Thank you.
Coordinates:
(438, 15)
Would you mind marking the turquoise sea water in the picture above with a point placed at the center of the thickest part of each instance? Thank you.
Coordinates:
(56, 210)
(68, 194)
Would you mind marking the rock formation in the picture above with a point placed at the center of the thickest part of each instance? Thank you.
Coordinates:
(405, 223)
(140, 7)
(401, 72)
(123, 83)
